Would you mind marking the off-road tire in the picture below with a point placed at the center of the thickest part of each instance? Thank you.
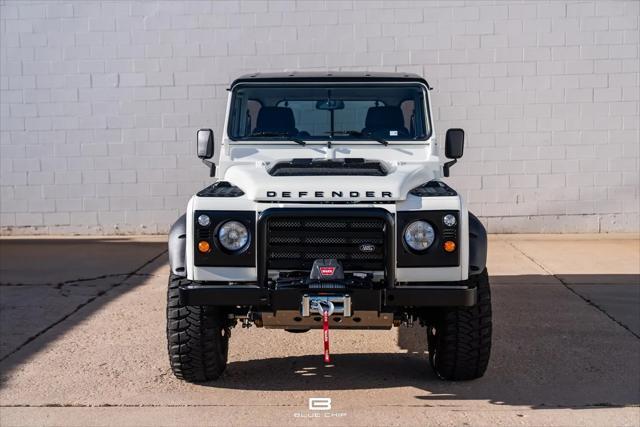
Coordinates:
(460, 338)
(197, 337)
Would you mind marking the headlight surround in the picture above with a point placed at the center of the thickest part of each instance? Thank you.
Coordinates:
(234, 236)
(419, 235)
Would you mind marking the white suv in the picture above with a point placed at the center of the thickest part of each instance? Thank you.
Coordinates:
(327, 211)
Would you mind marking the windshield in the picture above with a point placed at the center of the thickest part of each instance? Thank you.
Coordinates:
(382, 112)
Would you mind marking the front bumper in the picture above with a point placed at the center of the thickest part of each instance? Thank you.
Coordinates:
(362, 299)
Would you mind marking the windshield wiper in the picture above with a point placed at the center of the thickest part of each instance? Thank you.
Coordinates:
(359, 134)
(281, 134)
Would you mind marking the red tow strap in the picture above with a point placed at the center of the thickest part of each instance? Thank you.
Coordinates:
(325, 333)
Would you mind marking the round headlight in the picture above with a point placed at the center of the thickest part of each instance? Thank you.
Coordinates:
(449, 220)
(233, 236)
(419, 235)
(204, 220)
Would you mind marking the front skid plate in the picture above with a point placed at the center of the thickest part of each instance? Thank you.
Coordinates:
(291, 319)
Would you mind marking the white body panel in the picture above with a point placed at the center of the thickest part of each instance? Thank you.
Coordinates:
(409, 163)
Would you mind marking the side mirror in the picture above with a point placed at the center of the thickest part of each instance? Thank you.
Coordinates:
(454, 144)
(205, 144)
(453, 148)
(204, 147)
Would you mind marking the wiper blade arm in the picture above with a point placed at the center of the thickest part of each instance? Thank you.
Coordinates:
(360, 135)
(281, 134)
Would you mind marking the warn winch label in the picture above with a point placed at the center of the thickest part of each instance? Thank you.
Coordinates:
(327, 271)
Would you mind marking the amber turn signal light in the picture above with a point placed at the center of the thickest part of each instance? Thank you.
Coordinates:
(204, 246)
(449, 246)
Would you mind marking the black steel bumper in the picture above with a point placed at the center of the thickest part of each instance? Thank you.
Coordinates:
(362, 299)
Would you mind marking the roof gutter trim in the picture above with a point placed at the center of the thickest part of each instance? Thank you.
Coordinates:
(331, 77)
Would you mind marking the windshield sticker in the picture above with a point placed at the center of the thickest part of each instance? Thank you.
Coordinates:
(393, 133)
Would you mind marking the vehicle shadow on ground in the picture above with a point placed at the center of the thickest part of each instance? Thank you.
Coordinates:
(48, 286)
(551, 348)
(370, 371)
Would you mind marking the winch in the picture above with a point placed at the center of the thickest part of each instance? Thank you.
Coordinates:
(326, 300)
(326, 305)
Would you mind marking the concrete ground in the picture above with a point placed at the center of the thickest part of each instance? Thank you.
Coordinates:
(82, 343)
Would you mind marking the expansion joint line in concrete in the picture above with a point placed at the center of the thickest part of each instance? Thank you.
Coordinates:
(573, 291)
(127, 276)
(59, 285)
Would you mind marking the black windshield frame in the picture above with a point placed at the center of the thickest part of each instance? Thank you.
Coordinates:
(422, 113)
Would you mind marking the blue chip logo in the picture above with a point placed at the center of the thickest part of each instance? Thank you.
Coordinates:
(367, 248)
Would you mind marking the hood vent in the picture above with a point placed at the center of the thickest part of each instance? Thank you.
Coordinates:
(322, 167)
(221, 189)
(433, 189)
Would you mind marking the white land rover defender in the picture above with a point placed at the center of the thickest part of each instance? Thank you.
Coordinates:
(328, 211)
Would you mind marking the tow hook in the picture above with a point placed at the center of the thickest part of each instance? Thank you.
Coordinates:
(325, 335)
(321, 306)
(326, 309)
(326, 305)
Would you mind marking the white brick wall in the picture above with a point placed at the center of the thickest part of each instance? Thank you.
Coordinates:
(100, 101)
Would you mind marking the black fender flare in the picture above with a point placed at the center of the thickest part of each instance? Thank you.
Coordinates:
(477, 245)
(178, 247)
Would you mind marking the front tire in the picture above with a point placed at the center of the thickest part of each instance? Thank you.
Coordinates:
(460, 338)
(197, 337)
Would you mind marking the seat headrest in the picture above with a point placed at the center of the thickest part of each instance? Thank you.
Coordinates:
(388, 117)
(275, 119)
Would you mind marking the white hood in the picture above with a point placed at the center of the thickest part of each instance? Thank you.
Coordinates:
(258, 185)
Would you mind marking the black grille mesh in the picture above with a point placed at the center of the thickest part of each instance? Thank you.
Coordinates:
(294, 243)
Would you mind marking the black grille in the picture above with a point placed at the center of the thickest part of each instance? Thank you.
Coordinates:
(293, 243)
(203, 234)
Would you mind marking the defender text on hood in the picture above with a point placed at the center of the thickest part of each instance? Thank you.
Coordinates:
(326, 210)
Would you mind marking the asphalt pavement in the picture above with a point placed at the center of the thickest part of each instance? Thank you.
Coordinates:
(82, 342)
